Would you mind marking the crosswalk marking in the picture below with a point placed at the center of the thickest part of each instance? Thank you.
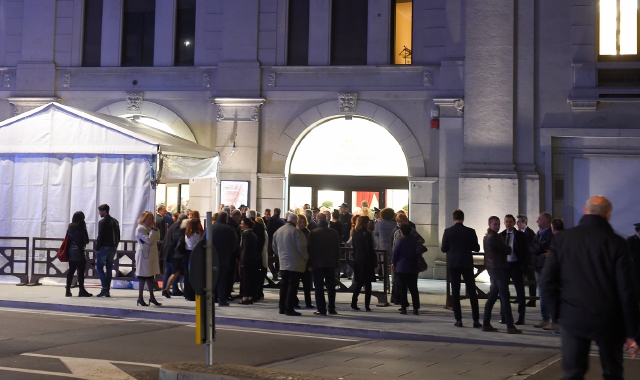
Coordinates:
(110, 361)
(36, 372)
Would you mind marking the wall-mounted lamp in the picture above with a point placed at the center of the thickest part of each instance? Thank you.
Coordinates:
(435, 117)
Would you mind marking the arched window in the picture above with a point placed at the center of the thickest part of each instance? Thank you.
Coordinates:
(356, 147)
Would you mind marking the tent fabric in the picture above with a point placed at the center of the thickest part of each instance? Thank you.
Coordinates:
(39, 193)
(178, 168)
(56, 128)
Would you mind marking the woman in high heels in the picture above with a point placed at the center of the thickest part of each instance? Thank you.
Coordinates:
(365, 262)
(78, 240)
(147, 260)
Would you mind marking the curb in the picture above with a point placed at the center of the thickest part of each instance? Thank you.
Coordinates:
(258, 324)
(169, 371)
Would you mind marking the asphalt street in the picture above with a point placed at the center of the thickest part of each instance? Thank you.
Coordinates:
(41, 345)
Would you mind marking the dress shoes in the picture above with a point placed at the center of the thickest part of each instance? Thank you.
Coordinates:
(281, 312)
(513, 330)
(531, 304)
(367, 308)
(477, 325)
(541, 324)
(245, 302)
(231, 298)
(502, 322)
(514, 301)
(403, 311)
(84, 293)
(292, 313)
(458, 323)
(520, 322)
(220, 304)
(333, 312)
(319, 313)
(489, 328)
(104, 293)
(416, 312)
(310, 306)
(355, 307)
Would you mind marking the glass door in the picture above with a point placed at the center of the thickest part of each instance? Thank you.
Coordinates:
(331, 199)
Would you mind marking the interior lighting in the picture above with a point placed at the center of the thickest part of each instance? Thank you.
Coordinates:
(608, 27)
(187, 43)
(628, 27)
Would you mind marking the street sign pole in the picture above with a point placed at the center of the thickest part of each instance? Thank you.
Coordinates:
(209, 291)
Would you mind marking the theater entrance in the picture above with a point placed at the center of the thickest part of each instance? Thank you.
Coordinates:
(354, 161)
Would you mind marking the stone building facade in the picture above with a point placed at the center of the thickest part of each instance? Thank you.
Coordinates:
(531, 118)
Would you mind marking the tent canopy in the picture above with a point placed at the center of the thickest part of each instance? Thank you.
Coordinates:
(56, 128)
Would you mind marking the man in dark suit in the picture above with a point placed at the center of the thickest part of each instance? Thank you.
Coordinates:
(161, 224)
(169, 245)
(517, 262)
(226, 242)
(324, 256)
(633, 243)
(458, 242)
(523, 225)
(539, 249)
(273, 224)
(588, 277)
(259, 230)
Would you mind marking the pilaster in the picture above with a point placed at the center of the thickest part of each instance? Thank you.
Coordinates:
(320, 33)
(164, 37)
(112, 15)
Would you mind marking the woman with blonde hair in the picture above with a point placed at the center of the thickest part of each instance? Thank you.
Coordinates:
(147, 260)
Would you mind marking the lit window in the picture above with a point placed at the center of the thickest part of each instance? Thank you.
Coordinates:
(402, 31)
(356, 147)
(618, 28)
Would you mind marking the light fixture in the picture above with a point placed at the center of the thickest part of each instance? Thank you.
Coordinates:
(187, 43)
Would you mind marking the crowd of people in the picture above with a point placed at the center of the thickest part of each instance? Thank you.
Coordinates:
(587, 277)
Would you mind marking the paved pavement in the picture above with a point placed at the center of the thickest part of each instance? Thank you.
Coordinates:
(434, 324)
(381, 344)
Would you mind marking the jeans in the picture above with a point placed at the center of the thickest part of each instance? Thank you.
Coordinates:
(322, 276)
(499, 286)
(105, 257)
(575, 355)
(289, 290)
(543, 305)
(470, 283)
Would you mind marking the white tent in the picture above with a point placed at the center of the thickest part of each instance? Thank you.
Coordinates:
(55, 160)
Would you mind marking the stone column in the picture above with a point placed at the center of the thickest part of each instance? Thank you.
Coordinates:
(378, 35)
(320, 32)
(423, 212)
(165, 31)
(238, 140)
(112, 14)
(36, 71)
(488, 181)
(271, 192)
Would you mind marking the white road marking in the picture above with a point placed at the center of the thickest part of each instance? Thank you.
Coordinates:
(95, 369)
(110, 361)
(65, 314)
(36, 372)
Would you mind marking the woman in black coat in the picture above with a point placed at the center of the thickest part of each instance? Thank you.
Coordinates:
(250, 261)
(78, 240)
(365, 262)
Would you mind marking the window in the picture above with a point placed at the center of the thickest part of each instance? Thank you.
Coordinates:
(185, 32)
(401, 30)
(349, 20)
(138, 28)
(92, 37)
(618, 30)
(298, 33)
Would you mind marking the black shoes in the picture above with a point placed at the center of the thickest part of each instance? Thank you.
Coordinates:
(458, 323)
(355, 307)
(68, 293)
(140, 302)
(513, 330)
(477, 325)
(416, 312)
(310, 306)
(245, 302)
(104, 293)
(319, 313)
(531, 304)
(153, 301)
(333, 312)
(166, 293)
(292, 313)
(489, 328)
(520, 322)
(403, 311)
(84, 293)
(367, 308)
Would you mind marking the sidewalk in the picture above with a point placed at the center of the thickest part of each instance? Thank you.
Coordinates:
(434, 324)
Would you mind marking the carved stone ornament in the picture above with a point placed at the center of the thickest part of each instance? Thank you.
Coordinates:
(427, 79)
(272, 80)
(347, 102)
(219, 114)
(459, 104)
(206, 80)
(66, 83)
(134, 101)
(256, 113)
(7, 80)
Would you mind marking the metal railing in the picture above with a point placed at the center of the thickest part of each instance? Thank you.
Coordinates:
(15, 251)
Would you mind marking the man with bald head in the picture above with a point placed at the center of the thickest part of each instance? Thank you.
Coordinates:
(587, 279)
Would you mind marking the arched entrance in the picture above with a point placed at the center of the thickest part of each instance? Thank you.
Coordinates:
(347, 160)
